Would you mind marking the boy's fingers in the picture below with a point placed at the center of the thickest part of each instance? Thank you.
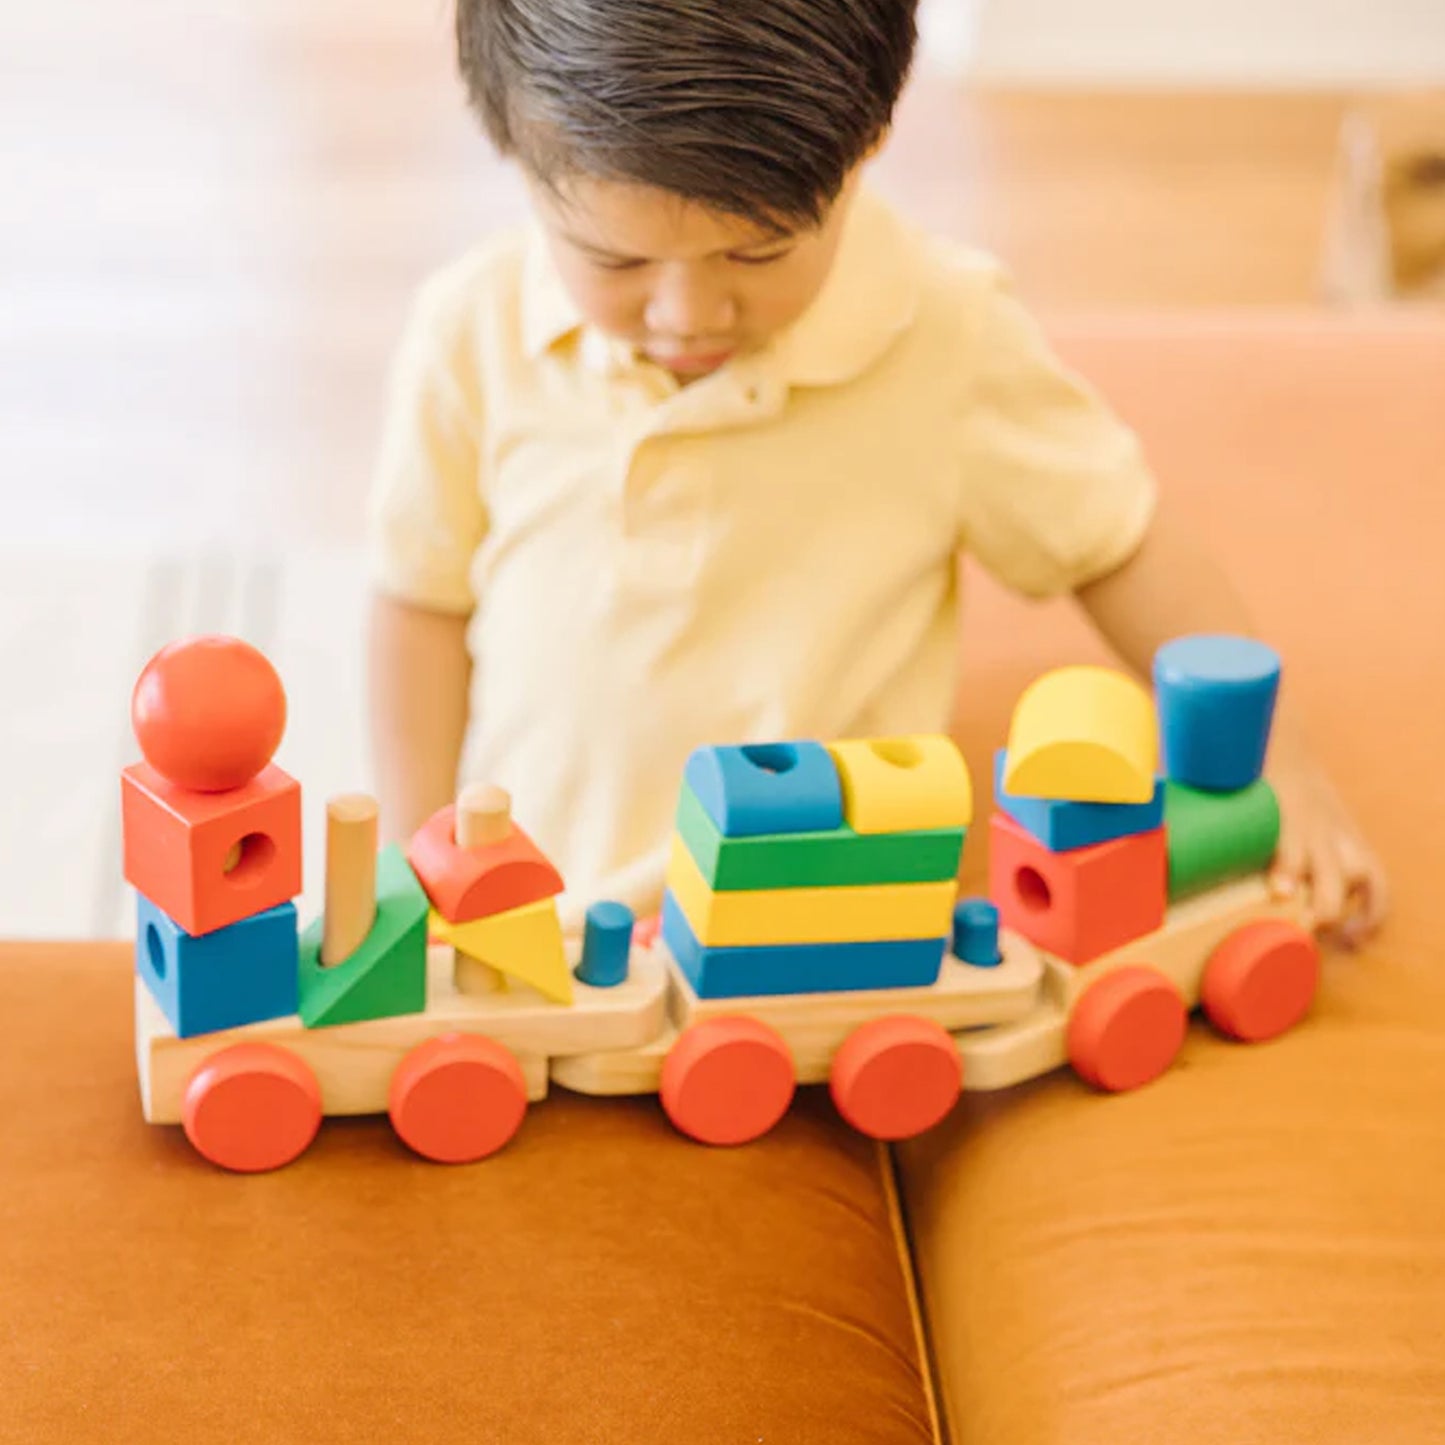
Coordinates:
(1288, 872)
(1328, 877)
(1366, 888)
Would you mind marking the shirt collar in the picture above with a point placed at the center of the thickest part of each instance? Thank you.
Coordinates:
(869, 298)
(547, 311)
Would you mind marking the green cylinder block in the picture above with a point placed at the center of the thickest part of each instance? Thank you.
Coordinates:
(1217, 836)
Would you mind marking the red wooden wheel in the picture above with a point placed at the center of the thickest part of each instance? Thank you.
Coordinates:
(895, 1077)
(457, 1098)
(727, 1080)
(252, 1107)
(1261, 980)
(1126, 1029)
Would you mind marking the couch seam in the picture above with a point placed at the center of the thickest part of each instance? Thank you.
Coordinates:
(898, 1225)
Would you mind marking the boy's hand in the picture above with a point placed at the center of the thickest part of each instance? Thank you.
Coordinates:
(1320, 847)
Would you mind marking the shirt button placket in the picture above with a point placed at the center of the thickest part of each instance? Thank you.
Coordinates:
(662, 514)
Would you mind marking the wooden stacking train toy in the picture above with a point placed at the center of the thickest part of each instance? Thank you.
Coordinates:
(810, 931)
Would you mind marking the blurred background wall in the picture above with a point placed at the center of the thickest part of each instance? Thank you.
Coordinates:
(1273, 43)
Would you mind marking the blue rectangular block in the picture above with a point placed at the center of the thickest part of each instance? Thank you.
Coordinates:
(239, 974)
(798, 968)
(1061, 825)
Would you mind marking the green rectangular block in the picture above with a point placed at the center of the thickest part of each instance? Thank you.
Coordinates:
(831, 859)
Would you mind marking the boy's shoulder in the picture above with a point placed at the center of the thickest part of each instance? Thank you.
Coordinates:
(956, 275)
(968, 308)
(957, 285)
(939, 265)
(500, 302)
(478, 290)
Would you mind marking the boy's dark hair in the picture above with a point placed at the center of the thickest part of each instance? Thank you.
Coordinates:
(757, 108)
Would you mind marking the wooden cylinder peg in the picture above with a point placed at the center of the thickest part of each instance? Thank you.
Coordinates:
(474, 977)
(350, 907)
(484, 815)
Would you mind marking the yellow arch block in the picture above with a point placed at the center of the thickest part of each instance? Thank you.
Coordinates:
(1088, 734)
(867, 913)
(523, 943)
(896, 785)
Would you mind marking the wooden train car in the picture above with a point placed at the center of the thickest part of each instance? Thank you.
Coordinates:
(811, 931)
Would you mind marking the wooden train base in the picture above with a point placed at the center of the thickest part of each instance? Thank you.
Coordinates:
(810, 929)
(455, 1078)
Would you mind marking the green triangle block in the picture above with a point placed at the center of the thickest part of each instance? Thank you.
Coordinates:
(387, 974)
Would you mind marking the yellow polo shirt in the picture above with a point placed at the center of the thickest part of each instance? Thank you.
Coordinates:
(766, 553)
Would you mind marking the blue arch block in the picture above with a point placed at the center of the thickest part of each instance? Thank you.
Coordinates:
(239, 974)
(767, 788)
(1216, 697)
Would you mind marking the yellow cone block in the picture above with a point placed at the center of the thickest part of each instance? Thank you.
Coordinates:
(523, 943)
(896, 785)
(1088, 734)
(863, 914)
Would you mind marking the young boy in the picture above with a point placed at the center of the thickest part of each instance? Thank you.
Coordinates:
(691, 460)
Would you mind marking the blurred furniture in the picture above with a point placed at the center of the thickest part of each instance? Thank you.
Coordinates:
(1385, 231)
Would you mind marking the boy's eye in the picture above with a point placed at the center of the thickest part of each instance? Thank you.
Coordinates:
(607, 264)
(762, 260)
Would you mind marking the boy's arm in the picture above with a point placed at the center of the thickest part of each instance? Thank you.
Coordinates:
(419, 672)
(425, 521)
(1057, 497)
(1168, 588)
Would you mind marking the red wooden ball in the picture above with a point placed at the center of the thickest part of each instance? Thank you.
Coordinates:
(208, 713)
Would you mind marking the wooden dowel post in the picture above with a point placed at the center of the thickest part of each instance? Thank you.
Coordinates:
(350, 907)
(484, 816)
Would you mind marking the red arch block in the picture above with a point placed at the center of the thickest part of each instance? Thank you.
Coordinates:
(469, 883)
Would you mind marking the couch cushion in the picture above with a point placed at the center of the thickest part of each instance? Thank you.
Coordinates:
(1252, 1248)
(602, 1279)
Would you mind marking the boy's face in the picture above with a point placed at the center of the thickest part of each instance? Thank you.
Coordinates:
(686, 286)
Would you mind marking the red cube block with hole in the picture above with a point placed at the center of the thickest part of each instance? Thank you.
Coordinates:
(465, 884)
(210, 859)
(1080, 904)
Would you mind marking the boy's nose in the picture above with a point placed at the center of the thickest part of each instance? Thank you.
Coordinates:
(687, 305)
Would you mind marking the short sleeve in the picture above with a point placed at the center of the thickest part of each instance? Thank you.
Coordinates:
(1055, 491)
(426, 517)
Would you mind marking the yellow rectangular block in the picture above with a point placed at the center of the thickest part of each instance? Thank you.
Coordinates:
(864, 914)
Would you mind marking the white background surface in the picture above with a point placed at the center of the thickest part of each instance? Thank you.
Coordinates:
(1324, 43)
(75, 629)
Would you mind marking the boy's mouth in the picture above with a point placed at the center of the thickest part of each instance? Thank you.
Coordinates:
(694, 361)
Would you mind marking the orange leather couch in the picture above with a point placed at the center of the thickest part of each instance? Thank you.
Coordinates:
(1250, 1250)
